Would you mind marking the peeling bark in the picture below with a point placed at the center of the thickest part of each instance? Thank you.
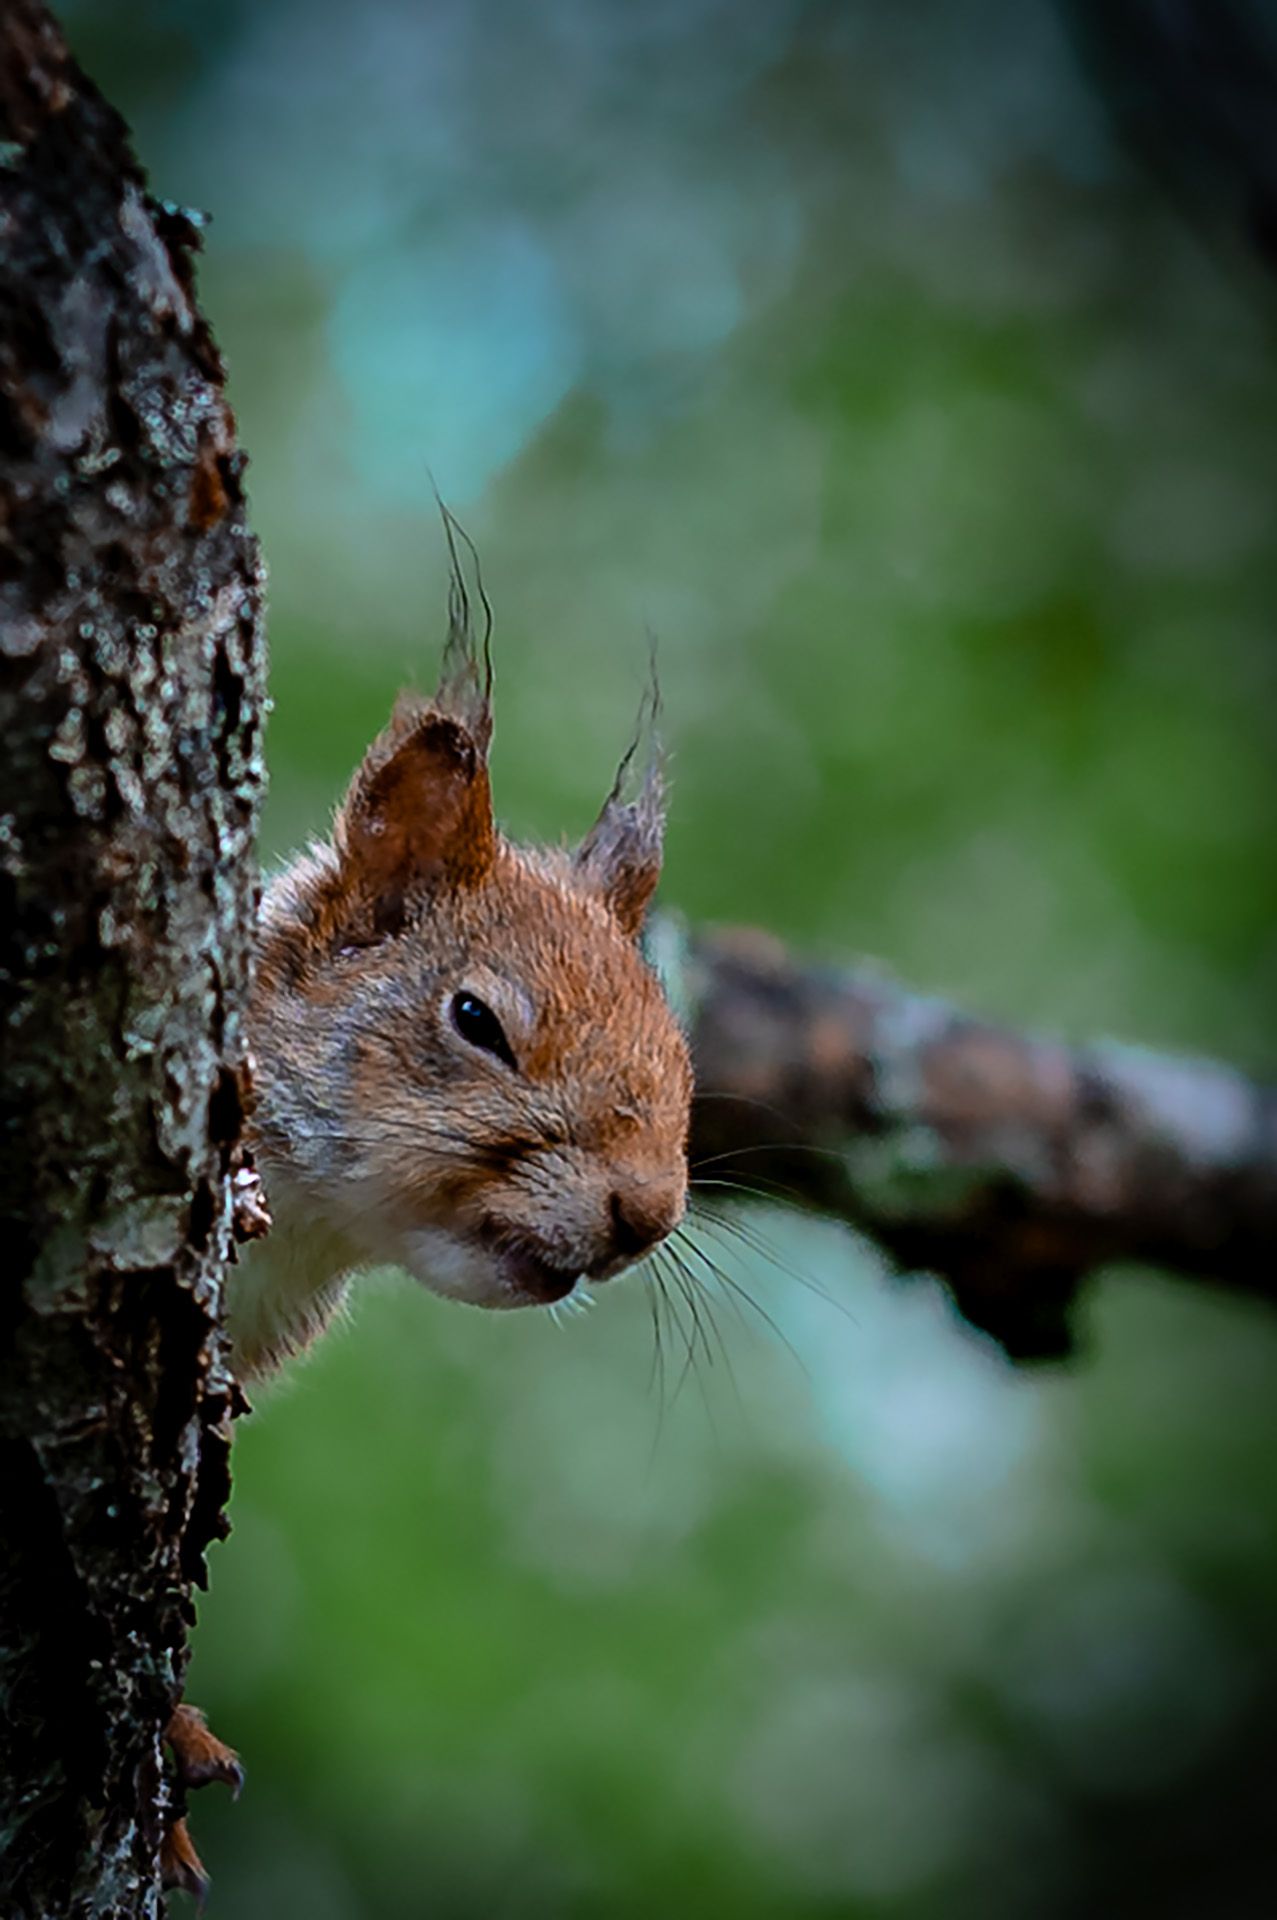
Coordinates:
(131, 686)
(1010, 1165)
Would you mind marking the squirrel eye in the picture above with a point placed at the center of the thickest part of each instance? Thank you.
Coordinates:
(479, 1025)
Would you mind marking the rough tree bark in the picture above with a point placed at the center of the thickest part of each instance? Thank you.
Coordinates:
(131, 690)
(131, 683)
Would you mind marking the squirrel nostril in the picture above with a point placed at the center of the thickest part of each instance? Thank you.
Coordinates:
(633, 1230)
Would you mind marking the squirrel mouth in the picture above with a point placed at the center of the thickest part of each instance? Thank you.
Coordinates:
(527, 1272)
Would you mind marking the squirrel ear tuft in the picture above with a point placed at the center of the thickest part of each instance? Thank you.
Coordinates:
(621, 854)
(419, 811)
(418, 815)
(465, 685)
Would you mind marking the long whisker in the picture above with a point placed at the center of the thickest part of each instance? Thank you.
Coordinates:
(686, 1331)
(759, 1187)
(742, 1100)
(658, 1299)
(767, 1146)
(676, 1256)
(688, 1292)
(725, 1279)
(730, 1300)
(686, 1334)
(750, 1236)
(657, 1375)
(690, 1287)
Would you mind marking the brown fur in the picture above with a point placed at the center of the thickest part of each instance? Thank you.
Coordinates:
(384, 1135)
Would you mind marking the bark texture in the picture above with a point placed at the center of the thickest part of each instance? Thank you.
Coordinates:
(1010, 1165)
(131, 690)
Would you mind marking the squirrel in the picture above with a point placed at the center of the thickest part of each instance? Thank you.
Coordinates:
(462, 1064)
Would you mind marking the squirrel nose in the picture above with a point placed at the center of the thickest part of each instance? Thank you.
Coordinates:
(639, 1221)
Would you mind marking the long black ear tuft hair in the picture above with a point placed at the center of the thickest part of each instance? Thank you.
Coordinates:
(418, 812)
(465, 685)
(621, 854)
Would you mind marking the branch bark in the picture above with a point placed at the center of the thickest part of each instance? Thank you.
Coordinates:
(1011, 1166)
(131, 686)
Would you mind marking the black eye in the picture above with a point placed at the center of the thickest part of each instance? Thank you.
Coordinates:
(479, 1025)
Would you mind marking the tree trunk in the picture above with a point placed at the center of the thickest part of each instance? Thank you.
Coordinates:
(131, 688)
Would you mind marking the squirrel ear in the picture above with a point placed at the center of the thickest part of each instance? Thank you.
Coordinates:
(621, 854)
(418, 815)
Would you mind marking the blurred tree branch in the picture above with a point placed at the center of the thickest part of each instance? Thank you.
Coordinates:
(1009, 1165)
(131, 689)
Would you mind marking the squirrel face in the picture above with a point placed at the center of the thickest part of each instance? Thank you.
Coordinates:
(463, 1065)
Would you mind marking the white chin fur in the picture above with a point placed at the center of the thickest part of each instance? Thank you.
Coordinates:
(457, 1270)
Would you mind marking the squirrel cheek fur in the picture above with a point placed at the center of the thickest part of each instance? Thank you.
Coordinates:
(498, 1174)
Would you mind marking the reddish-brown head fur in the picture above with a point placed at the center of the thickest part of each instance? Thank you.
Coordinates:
(464, 1065)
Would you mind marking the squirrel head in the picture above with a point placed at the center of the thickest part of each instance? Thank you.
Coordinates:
(463, 1064)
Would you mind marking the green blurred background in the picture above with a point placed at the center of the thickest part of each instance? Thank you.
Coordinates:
(844, 347)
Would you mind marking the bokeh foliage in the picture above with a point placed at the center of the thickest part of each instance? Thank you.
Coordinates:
(843, 347)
